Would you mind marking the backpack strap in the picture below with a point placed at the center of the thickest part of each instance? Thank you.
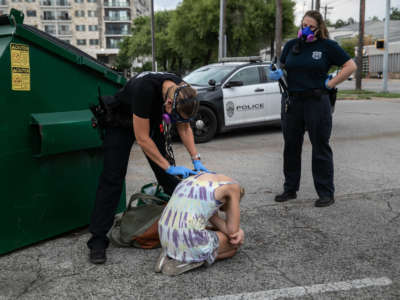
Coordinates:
(144, 197)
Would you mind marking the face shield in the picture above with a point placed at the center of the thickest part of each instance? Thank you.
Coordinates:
(193, 103)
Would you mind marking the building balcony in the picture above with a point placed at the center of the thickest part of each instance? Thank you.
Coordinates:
(119, 4)
(117, 19)
(117, 32)
(55, 3)
(52, 18)
(65, 32)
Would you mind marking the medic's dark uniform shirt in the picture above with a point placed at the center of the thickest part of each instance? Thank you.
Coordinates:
(309, 69)
(142, 94)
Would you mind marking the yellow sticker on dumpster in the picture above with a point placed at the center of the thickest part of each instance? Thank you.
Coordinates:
(20, 67)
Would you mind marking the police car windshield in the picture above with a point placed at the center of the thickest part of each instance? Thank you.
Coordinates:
(202, 75)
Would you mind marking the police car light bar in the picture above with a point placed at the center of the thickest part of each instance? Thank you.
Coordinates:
(241, 59)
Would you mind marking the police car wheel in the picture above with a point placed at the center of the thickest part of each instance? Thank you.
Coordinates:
(204, 125)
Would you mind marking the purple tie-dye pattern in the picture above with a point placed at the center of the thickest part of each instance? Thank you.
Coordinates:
(185, 219)
(180, 220)
(191, 238)
(203, 193)
(175, 236)
(191, 193)
(167, 219)
(186, 240)
(173, 220)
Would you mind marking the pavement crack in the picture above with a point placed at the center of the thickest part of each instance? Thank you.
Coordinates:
(389, 205)
(394, 218)
(34, 281)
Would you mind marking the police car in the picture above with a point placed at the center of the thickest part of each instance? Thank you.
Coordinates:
(234, 93)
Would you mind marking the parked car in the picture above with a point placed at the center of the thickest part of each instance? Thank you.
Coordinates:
(232, 95)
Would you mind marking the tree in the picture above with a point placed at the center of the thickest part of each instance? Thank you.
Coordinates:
(188, 36)
(350, 44)
(340, 23)
(395, 14)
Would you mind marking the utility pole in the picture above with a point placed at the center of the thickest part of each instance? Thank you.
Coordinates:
(153, 46)
(386, 48)
(360, 45)
(278, 28)
(221, 51)
(326, 7)
(317, 5)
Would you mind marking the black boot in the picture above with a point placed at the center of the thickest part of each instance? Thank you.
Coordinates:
(97, 256)
(324, 201)
(285, 196)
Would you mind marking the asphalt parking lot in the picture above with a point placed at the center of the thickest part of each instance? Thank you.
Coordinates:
(293, 250)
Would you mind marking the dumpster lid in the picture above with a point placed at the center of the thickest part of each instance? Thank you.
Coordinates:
(62, 48)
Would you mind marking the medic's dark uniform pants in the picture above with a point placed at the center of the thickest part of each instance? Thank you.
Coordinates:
(314, 115)
(117, 146)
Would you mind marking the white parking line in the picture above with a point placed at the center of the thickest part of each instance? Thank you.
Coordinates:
(299, 291)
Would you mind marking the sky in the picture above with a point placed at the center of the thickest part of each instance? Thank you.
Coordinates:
(340, 9)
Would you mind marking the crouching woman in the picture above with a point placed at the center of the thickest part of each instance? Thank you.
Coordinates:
(186, 238)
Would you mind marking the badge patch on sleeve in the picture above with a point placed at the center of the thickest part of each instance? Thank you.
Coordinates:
(317, 55)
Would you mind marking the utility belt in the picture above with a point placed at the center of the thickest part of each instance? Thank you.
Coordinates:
(110, 113)
(314, 93)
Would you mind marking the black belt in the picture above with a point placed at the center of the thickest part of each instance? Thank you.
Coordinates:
(309, 93)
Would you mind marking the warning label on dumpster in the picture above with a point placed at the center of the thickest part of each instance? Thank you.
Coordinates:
(20, 68)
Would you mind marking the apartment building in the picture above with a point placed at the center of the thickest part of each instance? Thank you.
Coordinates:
(94, 26)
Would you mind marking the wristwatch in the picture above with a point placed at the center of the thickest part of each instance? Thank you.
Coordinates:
(196, 157)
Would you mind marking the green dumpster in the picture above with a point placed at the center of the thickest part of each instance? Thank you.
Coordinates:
(50, 156)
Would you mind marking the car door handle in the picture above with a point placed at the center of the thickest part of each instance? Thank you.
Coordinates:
(259, 90)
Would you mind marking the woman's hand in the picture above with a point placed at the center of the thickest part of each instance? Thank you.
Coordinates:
(237, 238)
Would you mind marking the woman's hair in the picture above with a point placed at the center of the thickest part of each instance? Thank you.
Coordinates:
(189, 108)
(322, 31)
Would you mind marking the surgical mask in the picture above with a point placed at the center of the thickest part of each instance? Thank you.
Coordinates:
(306, 34)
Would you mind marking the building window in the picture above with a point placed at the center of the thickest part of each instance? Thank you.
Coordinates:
(63, 15)
(67, 41)
(91, 1)
(81, 42)
(80, 27)
(31, 13)
(1, 12)
(16, 0)
(119, 29)
(51, 29)
(30, 1)
(78, 1)
(93, 42)
(92, 13)
(79, 13)
(93, 28)
(112, 43)
(49, 15)
(64, 30)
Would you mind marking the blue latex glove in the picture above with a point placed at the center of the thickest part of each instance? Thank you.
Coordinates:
(326, 82)
(275, 75)
(198, 166)
(180, 171)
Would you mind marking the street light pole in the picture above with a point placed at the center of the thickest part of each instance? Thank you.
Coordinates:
(386, 48)
(153, 47)
(221, 50)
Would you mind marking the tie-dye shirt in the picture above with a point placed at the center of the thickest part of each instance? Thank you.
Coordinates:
(182, 226)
